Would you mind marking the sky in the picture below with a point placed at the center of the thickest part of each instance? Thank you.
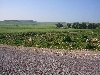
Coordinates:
(51, 10)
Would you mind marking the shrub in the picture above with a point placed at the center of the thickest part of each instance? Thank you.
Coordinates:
(67, 39)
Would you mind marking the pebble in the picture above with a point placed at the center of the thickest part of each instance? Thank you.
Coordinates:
(26, 61)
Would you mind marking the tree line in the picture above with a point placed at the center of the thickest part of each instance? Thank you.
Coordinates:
(78, 25)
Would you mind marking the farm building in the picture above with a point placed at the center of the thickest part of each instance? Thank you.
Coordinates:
(11, 21)
(31, 21)
(25, 20)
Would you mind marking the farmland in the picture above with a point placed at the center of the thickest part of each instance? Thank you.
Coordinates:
(46, 35)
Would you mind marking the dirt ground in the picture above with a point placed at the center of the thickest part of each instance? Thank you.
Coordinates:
(42, 61)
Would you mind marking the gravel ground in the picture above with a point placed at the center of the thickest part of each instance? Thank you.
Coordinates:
(38, 61)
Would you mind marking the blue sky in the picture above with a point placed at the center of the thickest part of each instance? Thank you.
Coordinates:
(51, 10)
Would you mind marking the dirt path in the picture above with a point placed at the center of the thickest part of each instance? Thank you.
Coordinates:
(35, 61)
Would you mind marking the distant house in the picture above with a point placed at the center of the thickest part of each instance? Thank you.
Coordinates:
(25, 20)
(30, 21)
(11, 21)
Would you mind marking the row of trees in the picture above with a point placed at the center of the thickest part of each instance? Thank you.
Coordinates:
(78, 25)
(82, 25)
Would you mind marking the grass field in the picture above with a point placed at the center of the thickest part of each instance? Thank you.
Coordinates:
(33, 28)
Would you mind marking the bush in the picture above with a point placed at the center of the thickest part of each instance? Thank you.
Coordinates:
(67, 39)
(89, 46)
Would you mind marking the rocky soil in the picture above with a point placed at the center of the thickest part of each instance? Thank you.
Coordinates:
(41, 61)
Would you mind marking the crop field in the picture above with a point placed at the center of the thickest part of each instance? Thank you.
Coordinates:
(46, 35)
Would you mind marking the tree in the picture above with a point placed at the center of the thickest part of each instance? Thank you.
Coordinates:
(99, 26)
(69, 25)
(76, 25)
(59, 25)
(94, 26)
(83, 25)
(90, 26)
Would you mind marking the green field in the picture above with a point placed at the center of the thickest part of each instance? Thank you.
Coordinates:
(46, 35)
(33, 28)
